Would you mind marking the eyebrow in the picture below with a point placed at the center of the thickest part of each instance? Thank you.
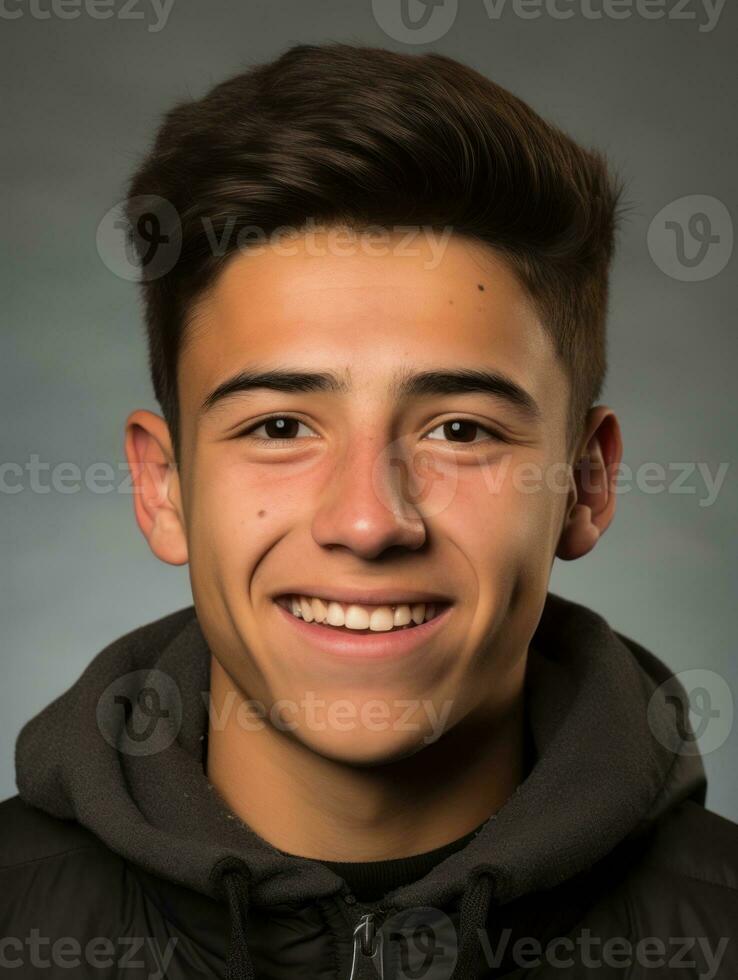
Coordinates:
(406, 384)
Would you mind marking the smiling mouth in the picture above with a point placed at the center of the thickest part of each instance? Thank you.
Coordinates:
(360, 618)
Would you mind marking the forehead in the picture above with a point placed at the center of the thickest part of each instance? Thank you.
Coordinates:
(432, 300)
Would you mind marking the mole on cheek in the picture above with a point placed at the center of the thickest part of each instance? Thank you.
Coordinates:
(261, 513)
(480, 287)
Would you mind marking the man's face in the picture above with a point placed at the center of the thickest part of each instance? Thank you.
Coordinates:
(369, 485)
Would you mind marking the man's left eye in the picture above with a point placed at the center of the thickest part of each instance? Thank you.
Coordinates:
(462, 430)
(279, 427)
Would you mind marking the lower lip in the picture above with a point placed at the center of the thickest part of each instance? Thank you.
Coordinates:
(372, 646)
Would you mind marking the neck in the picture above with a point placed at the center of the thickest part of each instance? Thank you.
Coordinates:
(306, 804)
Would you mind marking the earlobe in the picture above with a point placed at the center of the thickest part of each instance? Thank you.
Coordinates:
(155, 480)
(591, 502)
(580, 534)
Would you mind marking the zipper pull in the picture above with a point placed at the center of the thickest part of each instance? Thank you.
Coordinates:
(366, 943)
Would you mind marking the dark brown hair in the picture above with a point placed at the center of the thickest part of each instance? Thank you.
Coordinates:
(343, 134)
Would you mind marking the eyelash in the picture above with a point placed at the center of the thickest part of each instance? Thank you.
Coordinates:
(492, 433)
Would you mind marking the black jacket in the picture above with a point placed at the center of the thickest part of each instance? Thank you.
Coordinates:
(119, 859)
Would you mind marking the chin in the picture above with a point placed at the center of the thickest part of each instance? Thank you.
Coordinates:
(364, 749)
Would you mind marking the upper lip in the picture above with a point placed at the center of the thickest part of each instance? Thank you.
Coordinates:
(365, 597)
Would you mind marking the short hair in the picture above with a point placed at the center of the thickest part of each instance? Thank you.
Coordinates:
(342, 134)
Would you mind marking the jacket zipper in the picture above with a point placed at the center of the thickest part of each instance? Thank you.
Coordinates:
(368, 945)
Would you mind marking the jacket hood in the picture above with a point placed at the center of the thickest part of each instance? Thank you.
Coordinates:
(122, 751)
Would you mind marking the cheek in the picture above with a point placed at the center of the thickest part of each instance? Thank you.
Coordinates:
(237, 510)
(501, 518)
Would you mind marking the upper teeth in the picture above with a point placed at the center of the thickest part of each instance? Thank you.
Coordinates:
(354, 616)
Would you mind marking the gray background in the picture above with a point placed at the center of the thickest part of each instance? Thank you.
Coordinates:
(81, 99)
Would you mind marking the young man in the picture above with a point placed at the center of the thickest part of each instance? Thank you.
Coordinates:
(376, 746)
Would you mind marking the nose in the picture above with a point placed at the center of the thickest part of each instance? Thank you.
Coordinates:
(364, 508)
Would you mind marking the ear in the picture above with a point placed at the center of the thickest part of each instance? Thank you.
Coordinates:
(156, 499)
(591, 501)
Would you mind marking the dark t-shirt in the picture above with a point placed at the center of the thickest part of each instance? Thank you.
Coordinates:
(370, 880)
